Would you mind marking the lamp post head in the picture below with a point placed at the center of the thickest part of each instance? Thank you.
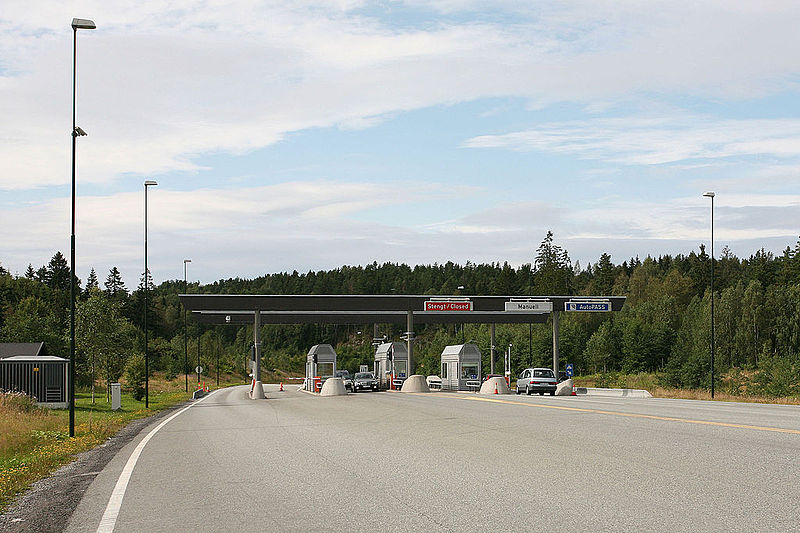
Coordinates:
(78, 132)
(709, 194)
(187, 261)
(83, 24)
(149, 183)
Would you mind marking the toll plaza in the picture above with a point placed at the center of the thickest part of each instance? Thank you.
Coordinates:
(320, 365)
(389, 309)
(461, 367)
(391, 364)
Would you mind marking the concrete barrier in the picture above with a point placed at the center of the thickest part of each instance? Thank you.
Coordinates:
(613, 393)
(565, 388)
(415, 383)
(495, 384)
(333, 387)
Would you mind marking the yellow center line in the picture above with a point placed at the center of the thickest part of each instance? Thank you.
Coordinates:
(633, 415)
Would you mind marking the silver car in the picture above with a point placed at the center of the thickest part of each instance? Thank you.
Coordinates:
(539, 380)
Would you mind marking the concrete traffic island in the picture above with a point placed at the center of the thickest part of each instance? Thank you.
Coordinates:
(415, 383)
(333, 387)
(565, 388)
(613, 393)
(495, 385)
(257, 391)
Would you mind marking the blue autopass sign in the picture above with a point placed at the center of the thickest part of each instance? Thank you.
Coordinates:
(588, 306)
(569, 370)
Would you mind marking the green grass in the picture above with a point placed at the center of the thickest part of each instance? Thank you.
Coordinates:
(35, 442)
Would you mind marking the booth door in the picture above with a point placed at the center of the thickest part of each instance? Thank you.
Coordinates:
(452, 375)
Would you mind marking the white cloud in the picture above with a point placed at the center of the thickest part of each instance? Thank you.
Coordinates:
(653, 141)
(161, 82)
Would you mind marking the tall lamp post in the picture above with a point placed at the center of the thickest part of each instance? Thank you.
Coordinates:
(185, 334)
(147, 183)
(77, 24)
(710, 194)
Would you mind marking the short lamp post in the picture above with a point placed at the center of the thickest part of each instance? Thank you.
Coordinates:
(147, 183)
(710, 194)
(185, 332)
(77, 24)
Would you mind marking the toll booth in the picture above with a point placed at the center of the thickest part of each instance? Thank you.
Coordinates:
(321, 362)
(461, 367)
(391, 363)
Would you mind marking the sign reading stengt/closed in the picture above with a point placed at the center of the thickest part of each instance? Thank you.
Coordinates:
(434, 305)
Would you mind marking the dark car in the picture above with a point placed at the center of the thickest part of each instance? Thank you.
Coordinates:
(364, 381)
(345, 375)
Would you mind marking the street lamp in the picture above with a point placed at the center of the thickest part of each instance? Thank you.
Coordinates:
(710, 194)
(147, 183)
(77, 24)
(185, 334)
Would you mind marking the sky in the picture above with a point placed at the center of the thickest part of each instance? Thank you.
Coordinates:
(308, 135)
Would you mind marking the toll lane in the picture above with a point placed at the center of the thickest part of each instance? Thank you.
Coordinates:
(450, 463)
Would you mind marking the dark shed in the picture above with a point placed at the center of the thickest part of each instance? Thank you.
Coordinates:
(26, 367)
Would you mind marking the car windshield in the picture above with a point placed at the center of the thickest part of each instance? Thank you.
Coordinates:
(364, 375)
(342, 374)
(542, 373)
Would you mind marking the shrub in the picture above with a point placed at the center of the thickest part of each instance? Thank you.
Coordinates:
(135, 375)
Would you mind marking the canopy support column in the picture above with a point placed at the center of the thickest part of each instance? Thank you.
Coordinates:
(257, 391)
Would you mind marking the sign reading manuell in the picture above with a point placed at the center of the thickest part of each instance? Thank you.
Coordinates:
(433, 305)
(530, 307)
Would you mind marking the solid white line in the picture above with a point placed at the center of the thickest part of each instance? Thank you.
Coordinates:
(109, 520)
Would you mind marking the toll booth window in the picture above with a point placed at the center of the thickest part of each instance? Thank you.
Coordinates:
(400, 368)
(324, 369)
(469, 371)
(444, 370)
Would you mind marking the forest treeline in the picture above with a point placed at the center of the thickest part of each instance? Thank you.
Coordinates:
(663, 328)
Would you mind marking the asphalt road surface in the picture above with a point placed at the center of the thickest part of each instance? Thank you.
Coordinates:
(456, 462)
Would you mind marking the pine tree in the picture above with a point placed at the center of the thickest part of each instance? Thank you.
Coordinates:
(30, 273)
(114, 284)
(91, 281)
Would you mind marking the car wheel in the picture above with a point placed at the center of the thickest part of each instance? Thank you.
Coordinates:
(552, 393)
(528, 391)
(541, 394)
(517, 389)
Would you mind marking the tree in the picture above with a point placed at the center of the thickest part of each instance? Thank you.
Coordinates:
(114, 284)
(30, 273)
(103, 336)
(91, 282)
(552, 268)
(34, 320)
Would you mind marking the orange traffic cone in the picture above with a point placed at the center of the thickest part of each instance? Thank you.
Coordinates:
(281, 386)
(495, 388)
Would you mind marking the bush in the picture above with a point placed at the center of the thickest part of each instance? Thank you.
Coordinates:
(135, 375)
(17, 401)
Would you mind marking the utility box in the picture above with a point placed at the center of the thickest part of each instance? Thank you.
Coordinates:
(321, 362)
(116, 396)
(391, 363)
(461, 367)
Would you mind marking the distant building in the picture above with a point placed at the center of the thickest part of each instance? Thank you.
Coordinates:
(26, 367)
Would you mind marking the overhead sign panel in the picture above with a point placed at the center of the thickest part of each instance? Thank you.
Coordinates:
(444, 305)
(529, 307)
(597, 306)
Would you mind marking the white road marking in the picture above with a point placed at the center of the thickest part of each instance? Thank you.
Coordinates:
(109, 520)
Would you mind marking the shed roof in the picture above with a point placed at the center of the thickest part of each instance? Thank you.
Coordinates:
(34, 359)
(27, 349)
(324, 352)
(399, 350)
(463, 351)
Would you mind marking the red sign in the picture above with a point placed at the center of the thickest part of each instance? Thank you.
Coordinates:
(448, 306)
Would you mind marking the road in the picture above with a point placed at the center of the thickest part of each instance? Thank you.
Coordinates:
(457, 462)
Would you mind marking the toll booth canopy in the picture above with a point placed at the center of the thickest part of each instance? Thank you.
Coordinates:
(461, 363)
(321, 361)
(391, 359)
